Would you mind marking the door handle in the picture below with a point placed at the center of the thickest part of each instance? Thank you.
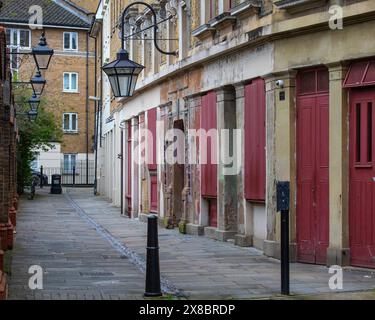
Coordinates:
(373, 179)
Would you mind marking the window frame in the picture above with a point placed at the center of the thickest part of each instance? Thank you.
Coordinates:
(18, 46)
(70, 82)
(70, 41)
(69, 170)
(70, 130)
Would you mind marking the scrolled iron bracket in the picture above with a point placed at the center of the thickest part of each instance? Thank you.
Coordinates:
(154, 26)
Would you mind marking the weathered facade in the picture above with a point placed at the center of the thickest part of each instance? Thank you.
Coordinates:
(292, 85)
(8, 188)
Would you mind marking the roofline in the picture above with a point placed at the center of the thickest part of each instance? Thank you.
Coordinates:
(77, 7)
(44, 25)
(68, 6)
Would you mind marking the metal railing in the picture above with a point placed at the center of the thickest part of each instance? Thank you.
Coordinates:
(73, 175)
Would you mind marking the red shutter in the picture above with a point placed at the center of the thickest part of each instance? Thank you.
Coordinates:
(129, 158)
(209, 170)
(151, 124)
(255, 141)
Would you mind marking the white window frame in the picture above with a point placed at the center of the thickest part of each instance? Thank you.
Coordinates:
(17, 45)
(69, 170)
(15, 48)
(70, 82)
(70, 130)
(70, 41)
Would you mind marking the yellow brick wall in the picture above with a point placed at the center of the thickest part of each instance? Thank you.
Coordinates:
(59, 101)
(89, 5)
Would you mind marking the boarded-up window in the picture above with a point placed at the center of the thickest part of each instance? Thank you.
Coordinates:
(209, 168)
(151, 124)
(255, 141)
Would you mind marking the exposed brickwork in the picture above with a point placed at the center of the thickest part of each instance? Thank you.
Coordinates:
(7, 162)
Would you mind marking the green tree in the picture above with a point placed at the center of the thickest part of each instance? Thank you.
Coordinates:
(33, 135)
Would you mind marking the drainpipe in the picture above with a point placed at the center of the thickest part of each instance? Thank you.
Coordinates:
(97, 104)
(87, 108)
(122, 168)
(101, 92)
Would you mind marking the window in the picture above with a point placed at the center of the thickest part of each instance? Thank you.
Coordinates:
(364, 133)
(70, 122)
(70, 82)
(69, 163)
(18, 38)
(70, 41)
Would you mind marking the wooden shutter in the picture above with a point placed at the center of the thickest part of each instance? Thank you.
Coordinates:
(209, 170)
(255, 141)
(151, 124)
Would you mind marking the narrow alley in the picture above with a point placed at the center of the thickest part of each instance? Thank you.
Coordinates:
(88, 251)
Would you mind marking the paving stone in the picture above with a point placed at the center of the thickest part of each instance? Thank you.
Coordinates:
(81, 263)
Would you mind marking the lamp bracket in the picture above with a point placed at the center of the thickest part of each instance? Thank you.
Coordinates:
(154, 26)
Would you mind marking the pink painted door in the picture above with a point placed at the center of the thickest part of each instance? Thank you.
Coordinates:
(152, 166)
(312, 178)
(212, 203)
(255, 141)
(362, 178)
(209, 169)
(129, 171)
(208, 117)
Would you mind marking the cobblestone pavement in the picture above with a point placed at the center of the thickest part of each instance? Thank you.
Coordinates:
(88, 251)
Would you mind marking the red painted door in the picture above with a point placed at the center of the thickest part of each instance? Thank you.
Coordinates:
(362, 178)
(208, 117)
(129, 171)
(152, 165)
(255, 141)
(212, 203)
(312, 178)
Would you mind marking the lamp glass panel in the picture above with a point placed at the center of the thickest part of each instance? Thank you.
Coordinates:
(34, 105)
(38, 88)
(42, 60)
(110, 71)
(133, 84)
(138, 70)
(114, 84)
(124, 82)
(124, 70)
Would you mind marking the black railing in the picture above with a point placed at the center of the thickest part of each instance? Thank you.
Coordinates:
(73, 175)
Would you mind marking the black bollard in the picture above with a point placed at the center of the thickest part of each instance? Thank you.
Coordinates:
(74, 176)
(283, 203)
(285, 252)
(152, 268)
(41, 177)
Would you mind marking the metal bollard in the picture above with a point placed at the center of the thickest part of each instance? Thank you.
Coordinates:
(285, 252)
(283, 204)
(74, 176)
(152, 266)
(41, 177)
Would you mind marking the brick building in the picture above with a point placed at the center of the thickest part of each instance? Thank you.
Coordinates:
(8, 189)
(70, 76)
(297, 85)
